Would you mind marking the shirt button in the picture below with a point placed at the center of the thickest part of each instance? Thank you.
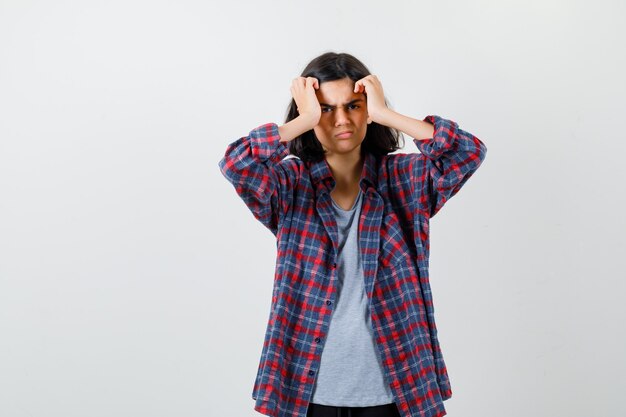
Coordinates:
(334, 265)
(328, 302)
(311, 372)
(317, 339)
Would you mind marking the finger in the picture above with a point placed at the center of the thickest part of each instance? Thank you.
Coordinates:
(310, 81)
(367, 84)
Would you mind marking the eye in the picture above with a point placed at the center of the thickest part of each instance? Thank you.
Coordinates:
(354, 106)
(324, 109)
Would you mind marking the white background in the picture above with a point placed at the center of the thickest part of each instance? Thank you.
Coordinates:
(135, 282)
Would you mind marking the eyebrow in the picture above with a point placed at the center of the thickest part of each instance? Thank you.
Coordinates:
(347, 104)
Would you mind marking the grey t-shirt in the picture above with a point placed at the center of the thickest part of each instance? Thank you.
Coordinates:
(351, 373)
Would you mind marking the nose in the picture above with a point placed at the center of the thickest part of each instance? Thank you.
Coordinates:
(341, 117)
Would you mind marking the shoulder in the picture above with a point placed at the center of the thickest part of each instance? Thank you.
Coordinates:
(399, 163)
(291, 163)
(290, 167)
(400, 175)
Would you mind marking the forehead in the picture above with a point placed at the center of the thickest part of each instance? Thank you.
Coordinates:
(337, 92)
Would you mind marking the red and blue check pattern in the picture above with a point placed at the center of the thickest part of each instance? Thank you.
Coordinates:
(401, 193)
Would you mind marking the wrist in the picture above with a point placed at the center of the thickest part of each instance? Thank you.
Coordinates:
(308, 121)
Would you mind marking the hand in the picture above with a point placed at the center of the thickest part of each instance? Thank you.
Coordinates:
(303, 92)
(373, 89)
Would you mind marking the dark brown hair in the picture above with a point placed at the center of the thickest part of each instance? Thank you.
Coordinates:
(331, 66)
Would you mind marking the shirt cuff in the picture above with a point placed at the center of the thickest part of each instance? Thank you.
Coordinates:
(266, 144)
(443, 138)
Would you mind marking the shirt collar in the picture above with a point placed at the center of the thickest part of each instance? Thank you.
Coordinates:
(322, 176)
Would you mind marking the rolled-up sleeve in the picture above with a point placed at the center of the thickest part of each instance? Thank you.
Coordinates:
(251, 165)
(451, 157)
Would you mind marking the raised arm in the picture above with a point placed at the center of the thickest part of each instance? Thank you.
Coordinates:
(449, 155)
(449, 159)
(251, 165)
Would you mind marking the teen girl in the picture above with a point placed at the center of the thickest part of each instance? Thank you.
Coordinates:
(351, 331)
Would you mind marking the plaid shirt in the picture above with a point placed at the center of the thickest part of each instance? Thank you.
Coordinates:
(401, 192)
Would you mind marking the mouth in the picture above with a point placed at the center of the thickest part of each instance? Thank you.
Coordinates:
(344, 135)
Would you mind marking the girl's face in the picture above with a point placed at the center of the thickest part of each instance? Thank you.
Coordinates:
(342, 110)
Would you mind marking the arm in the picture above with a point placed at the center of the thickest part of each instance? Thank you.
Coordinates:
(250, 164)
(449, 157)
(296, 127)
(452, 157)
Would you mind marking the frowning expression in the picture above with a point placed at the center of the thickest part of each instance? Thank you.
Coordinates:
(343, 110)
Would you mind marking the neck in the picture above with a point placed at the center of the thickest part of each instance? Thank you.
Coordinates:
(346, 169)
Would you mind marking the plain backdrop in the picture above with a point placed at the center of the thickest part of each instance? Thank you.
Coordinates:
(135, 282)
